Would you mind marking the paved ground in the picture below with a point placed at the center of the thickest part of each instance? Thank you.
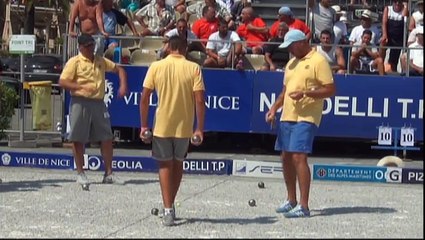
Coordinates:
(48, 203)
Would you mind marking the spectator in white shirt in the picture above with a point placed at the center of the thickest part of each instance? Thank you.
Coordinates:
(365, 24)
(365, 56)
(416, 56)
(220, 47)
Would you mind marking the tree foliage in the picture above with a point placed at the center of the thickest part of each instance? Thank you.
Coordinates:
(8, 98)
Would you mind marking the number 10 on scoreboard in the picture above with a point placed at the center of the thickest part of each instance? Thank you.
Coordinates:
(385, 135)
(407, 137)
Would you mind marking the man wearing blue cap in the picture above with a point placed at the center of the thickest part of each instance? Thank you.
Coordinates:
(308, 81)
(285, 15)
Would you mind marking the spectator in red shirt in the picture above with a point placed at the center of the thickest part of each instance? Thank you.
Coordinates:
(253, 30)
(207, 25)
(285, 15)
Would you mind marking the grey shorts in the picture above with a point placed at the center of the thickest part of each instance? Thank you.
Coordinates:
(166, 149)
(89, 120)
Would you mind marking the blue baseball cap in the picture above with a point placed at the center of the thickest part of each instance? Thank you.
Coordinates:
(285, 11)
(294, 35)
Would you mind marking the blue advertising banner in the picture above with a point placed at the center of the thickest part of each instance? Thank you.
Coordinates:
(36, 160)
(119, 163)
(349, 173)
(412, 175)
(228, 99)
(237, 101)
(362, 103)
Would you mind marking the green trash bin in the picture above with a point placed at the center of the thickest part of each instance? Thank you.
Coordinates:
(41, 103)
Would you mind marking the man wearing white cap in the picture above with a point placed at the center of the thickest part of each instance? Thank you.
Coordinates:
(416, 55)
(340, 28)
(308, 81)
(285, 15)
(365, 24)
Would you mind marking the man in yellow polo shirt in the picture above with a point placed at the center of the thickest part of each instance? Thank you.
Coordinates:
(84, 76)
(308, 80)
(180, 89)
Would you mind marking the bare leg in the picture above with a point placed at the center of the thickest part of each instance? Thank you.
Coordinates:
(290, 176)
(304, 177)
(106, 149)
(165, 181)
(177, 173)
(78, 150)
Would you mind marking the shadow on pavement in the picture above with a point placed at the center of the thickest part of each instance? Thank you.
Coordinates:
(28, 186)
(140, 181)
(350, 210)
(240, 221)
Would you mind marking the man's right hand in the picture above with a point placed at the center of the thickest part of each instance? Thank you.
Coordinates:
(270, 116)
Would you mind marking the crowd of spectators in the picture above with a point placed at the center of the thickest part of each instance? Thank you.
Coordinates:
(230, 29)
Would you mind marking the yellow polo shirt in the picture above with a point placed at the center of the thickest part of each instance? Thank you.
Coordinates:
(174, 79)
(312, 71)
(85, 72)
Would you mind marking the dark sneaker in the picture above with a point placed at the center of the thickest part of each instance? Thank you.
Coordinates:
(285, 207)
(111, 179)
(297, 212)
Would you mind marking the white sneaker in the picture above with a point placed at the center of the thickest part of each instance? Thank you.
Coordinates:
(82, 178)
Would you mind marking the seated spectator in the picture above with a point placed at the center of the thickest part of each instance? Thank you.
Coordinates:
(182, 31)
(340, 28)
(365, 57)
(178, 5)
(219, 7)
(220, 47)
(416, 56)
(275, 58)
(332, 53)
(112, 17)
(253, 30)
(285, 15)
(417, 17)
(393, 31)
(160, 18)
(365, 24)
(207, 25)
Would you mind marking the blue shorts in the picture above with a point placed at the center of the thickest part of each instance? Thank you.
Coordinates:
(295, 137)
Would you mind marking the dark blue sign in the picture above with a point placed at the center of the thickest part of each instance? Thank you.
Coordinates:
(349, 173)
(412, 175)
(204, 166)
(36, 160)
(119, 163)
